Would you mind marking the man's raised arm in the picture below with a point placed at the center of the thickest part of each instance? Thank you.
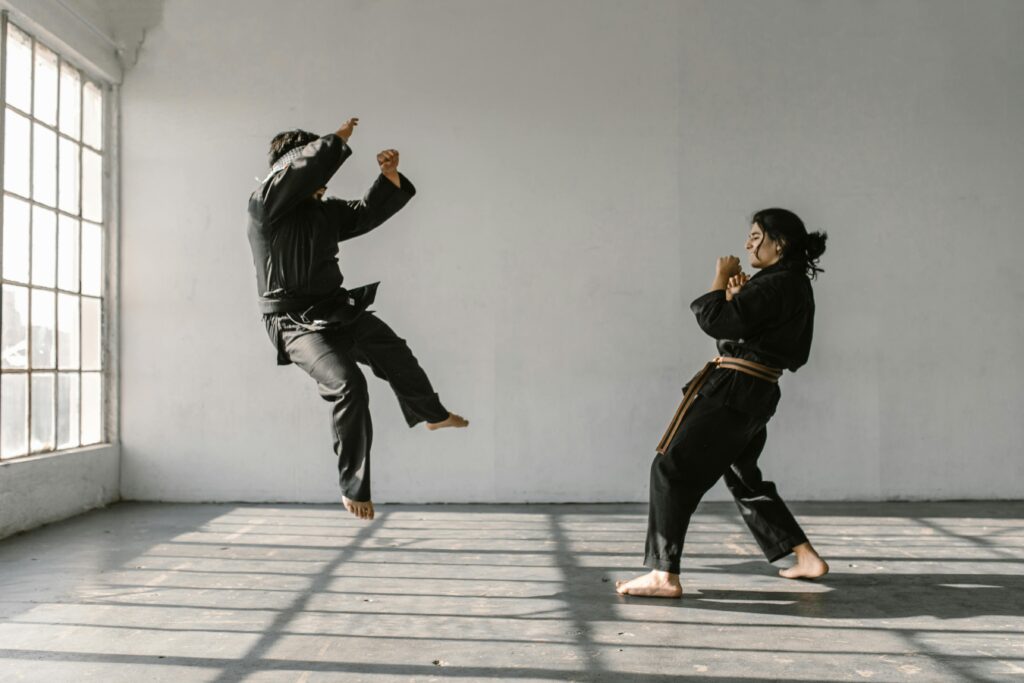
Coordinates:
(389, 193)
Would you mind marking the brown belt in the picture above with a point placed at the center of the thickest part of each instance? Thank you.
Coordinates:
(747, 367)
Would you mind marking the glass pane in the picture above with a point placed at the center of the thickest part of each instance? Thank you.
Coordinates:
(67, 254)
(44, 165)
(44, 329)
(92, 408)
(67, 410)
(44, 247)
(46, 86)
(14, 413)
(67, 332)
(68, 176)
(92, 116)
(19, 69)
(43, 427)
(92, 185)
(70, 100)
(15, 322)
(16, 241)
(16, 153)
(91, 329)
(92, 259)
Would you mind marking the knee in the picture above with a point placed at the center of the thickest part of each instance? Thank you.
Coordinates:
(346, 387)
(660, 470)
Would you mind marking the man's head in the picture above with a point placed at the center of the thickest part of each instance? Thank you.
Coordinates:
(287, 141)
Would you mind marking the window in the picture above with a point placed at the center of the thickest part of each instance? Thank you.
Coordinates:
(52, 246)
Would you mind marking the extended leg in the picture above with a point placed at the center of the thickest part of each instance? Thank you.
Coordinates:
(766, 515)
(708, 440)
(390, 358)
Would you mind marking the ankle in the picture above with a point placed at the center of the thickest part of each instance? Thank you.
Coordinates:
(666, 577)
(805, 551)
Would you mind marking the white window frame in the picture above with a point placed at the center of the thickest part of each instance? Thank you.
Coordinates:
(109, 304)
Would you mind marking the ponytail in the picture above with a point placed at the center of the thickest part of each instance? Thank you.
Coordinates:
(814, 247)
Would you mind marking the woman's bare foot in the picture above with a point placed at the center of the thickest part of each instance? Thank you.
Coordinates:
(809, 564)
(654, 584)
(362, 510)
(452, 421)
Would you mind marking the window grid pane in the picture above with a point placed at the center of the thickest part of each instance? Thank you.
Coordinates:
(70, 101)
(17, 153)
(15, 323)
(43, 426)
(16, 239)
(44, 247)
(45, 77)
(92, 116)
(19, 69)
(51, 356)
(14, 415)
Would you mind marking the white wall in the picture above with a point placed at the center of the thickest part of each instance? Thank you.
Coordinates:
(580, 165)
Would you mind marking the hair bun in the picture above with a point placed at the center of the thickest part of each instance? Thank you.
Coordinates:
(815, 244)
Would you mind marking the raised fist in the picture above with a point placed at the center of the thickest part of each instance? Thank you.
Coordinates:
(345, 132)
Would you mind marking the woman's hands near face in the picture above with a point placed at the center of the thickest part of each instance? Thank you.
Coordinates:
(728, 266)
(735, 284)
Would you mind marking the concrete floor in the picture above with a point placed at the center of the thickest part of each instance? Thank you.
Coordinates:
(145, 592)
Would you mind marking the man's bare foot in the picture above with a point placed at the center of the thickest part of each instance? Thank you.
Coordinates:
(654, 584)
(452, 421)
(362, 510)
(809, 564)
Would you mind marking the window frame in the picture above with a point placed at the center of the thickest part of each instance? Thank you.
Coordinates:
(106, 221)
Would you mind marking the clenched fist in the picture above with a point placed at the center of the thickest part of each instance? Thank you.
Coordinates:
(345, 132)
(388, 160)
(727, 266)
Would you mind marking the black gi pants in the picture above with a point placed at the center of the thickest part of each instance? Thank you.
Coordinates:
(715, 440)
(330, 356)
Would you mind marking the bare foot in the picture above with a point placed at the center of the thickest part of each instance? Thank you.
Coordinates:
(452, 421)
(809, 564)
(654, 584)
(362, 510)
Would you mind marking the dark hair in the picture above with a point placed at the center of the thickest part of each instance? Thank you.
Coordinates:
(798, 246)
(287, 141)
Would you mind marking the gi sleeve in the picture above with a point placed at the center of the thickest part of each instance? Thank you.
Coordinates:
(749, 310)
(355, 217)
(306, 174)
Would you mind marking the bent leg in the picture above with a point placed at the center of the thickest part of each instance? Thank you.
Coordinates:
(324, 357)
(388, 355)
(766, 515)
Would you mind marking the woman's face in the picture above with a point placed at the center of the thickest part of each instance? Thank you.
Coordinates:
(762, 250)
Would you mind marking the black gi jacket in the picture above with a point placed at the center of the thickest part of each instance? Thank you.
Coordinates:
(770, 321)
(294, 237)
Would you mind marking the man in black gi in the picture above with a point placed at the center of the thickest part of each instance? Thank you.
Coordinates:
(315, 322)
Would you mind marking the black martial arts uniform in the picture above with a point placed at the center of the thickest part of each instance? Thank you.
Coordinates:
(315, 322)
(771, 322)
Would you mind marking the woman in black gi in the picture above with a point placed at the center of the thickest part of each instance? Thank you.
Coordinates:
(762, 324)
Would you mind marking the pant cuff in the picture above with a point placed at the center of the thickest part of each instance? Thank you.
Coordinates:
(662, 564)
(435, 413)
(782, 548)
